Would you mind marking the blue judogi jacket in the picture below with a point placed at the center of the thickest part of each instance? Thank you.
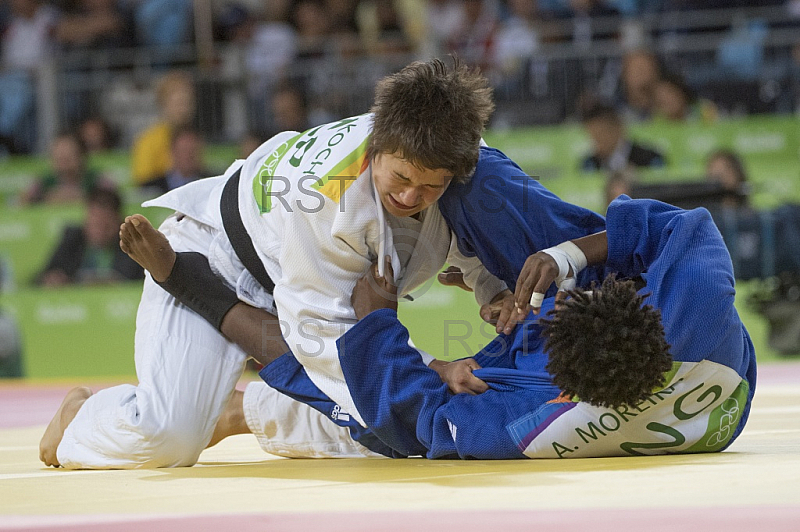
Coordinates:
(688, 273)
(501, 216)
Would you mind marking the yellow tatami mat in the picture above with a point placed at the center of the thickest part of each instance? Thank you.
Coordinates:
(754, 485)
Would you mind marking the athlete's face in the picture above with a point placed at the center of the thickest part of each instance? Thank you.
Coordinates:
(405, 189)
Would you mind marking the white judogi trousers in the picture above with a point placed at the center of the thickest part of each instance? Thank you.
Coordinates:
(187, 372)
(289, 428)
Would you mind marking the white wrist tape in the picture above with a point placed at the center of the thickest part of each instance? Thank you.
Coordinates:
(567, 255)
(576, 257)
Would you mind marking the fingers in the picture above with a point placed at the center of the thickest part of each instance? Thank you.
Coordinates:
(539, 270)
(538, 273)
(453, 276)
(388, 278)
(513, 319)
(536, 302)
(387, 262)
(567, 284)
(561, 296)
(450, 278)
(487, 313)
(387, 268)
(381, 285)
(473, 384)
(524, 288)
(461, 380)
(537, 297)
(507, 315)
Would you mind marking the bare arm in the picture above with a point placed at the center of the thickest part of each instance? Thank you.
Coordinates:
(256, 331)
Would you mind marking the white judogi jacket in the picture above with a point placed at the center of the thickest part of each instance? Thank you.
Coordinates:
(308, 202)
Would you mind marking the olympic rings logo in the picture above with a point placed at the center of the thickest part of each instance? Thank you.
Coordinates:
(729, 419)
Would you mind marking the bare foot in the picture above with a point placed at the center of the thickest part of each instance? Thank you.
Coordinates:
(147, 246)
(231, 421)
(55, 430)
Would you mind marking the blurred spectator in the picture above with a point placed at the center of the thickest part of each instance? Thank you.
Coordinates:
(343, 26)
(269, 49)
(90, 254)
(582, 12)
(26, 45)
(794, 71)
(269, 46)
(249, 143)
(618, 183)
(187, 161)
(612, 149)
(473, 40)
(311, 20)
(259, 9)
(27, 38)
(444, 18)
(640, 74)
(517, 39)
(10, 338)
(591, 8)
(383, 29)
(676, 102)
(726, 168)
(150, 155)
(741, 53)
(163, 22)
(342, 15)
(289, 108)
(87, 26)
(10, 347)
(93, 24)
(97, 135)
(70, 178)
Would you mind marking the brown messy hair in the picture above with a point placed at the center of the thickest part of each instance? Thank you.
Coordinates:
(432, 116)
(606, 347)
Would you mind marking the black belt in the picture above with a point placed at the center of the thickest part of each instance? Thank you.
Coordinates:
(237, 234)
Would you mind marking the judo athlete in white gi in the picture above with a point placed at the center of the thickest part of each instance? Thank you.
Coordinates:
(606, 348)
(308, 213)
(501, 217)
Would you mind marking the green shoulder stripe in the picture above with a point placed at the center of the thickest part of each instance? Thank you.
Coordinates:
(262, 182)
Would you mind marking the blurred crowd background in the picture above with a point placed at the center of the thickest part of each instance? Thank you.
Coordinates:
(98, 67)
(104, 103)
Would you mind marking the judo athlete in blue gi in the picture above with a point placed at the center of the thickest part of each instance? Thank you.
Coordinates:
(500, 196)
(701, 405)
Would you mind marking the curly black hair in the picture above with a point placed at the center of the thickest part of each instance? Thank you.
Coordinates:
(606, 347)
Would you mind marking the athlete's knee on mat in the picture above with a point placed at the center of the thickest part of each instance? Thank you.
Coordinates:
(171, 448)
(170, 444)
